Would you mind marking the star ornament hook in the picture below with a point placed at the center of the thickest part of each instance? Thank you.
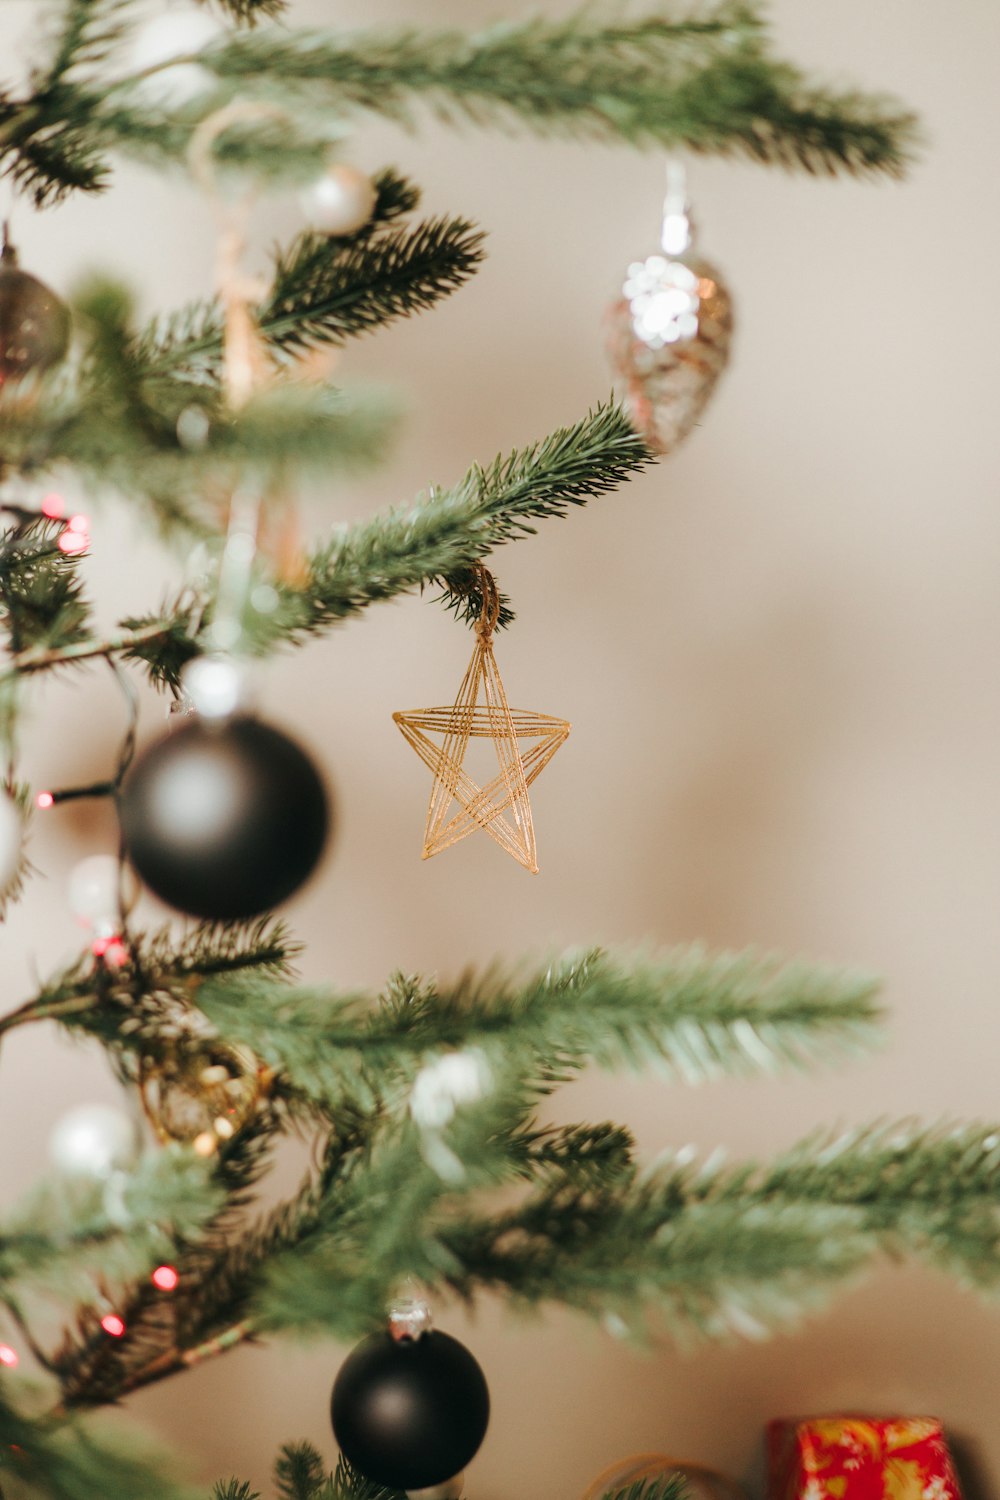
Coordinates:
(441, 737)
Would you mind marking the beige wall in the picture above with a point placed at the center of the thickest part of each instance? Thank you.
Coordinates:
(778, 652)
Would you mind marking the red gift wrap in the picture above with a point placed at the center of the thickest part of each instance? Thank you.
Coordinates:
(860, 1458)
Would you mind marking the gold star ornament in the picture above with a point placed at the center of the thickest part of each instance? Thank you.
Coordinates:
(501, 807)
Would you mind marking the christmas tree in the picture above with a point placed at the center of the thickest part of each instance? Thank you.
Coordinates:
(424, 1106)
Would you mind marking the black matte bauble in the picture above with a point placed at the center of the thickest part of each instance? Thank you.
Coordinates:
(34, 323)
(224, 821)
(410, 1413)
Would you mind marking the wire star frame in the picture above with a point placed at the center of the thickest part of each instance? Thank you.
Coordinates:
(500, 808)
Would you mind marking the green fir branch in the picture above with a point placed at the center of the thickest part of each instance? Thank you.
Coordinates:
(69, 1230)
(672, 1485)
(70, 1460)
(89, 32)
(42, 604)
(688, 1014)
(325, 292)
(235, 1489)
(706, 83)
(299, 1472)
(333, 283)
(447, 531)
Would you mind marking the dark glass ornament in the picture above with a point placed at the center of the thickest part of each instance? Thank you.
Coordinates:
(224, 820)
(34, 323)
(410, 1413)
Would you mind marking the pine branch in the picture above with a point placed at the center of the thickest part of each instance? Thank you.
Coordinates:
(327, 289)
(42, 605)
(73, 1461)
(69, 1231)
(449, 530)
(235, 1489)
(670, 1486)
(89, 33)
(299, 1472)
(690, 1015)
(706, 83)
(324, 294)
(706, 1250)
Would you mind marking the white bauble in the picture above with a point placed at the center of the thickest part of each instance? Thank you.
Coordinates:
(11, 839)
(217, 685)
(93, 892)
(94, 1140)
(340, 201)
(182, 31)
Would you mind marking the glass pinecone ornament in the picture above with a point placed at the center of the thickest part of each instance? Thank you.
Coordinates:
(201, 1093)
(34, 322)
(669, 335)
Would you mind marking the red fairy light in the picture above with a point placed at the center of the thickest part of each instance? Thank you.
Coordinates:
(166, 1278)
(79, 524)
(72, 542)
(111, 949)
(113, 1324)
(44, 799)
(53, 506)
(9, 1357)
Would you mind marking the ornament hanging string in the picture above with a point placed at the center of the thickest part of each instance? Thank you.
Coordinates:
(247, 366)
(490, 611)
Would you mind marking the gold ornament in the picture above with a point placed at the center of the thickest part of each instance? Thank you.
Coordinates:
(501, 807)
(202, 1093)
(670, 334)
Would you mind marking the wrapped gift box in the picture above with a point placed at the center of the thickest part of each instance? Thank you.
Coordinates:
(860, 1458)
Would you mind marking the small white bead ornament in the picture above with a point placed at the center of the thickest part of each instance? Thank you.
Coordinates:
(341, 201)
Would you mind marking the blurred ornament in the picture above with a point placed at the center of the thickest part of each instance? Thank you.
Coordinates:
(201, 1093)
(410, 1406)
(341, 201)
(216, 685)
(669, 336)
(75, 536)
(224, 820)
(482, 807)
(11, 839)
(100, 891)
(34, 322)
(182, 31)
(94, 1140)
